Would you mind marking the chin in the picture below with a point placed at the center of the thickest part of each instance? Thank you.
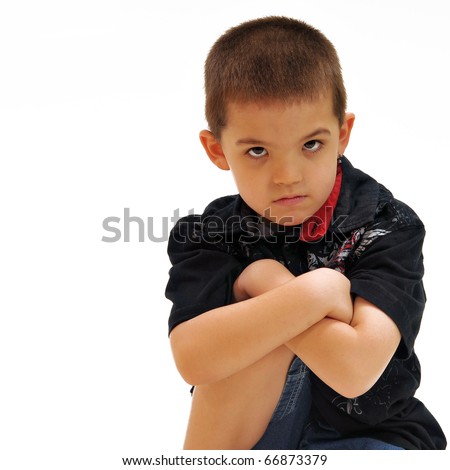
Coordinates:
(292, 223)
(286, 221)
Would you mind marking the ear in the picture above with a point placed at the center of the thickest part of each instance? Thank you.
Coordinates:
(345, 131)
(214, 150)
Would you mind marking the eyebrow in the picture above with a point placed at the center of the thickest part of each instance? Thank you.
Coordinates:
(251, 141)
(257, 142)
(320, 131)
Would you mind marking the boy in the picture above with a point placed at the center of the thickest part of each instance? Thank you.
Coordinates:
(297, 302)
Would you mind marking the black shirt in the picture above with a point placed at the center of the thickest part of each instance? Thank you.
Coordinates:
(375, 240)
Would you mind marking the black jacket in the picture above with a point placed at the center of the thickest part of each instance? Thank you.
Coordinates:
(374, 239)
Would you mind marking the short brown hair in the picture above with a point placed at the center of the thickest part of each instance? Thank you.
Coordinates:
(272, 58)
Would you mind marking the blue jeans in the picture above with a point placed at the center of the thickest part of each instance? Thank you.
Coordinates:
(291, 427)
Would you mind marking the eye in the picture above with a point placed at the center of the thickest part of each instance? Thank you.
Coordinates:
(257, 152)
(313, 145)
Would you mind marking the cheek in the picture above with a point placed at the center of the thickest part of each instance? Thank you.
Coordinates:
(246, 176)
(325, 180)
(331, 181)
(243, 182)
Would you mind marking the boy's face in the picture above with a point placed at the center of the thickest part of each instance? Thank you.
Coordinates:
(283, 156)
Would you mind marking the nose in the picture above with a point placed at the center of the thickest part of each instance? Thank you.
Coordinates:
(287, 170)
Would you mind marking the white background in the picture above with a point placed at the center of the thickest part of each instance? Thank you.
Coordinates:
(101, 103)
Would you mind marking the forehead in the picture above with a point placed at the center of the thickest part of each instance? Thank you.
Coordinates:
(280, 117)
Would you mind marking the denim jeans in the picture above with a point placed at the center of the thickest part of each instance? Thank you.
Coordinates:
(291, 427)
(291, 413)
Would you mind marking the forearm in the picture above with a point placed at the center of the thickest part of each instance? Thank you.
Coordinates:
(225, 340)
(329, 349)
(259, 278)
(349, 357)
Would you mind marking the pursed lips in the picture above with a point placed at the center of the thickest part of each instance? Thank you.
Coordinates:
(290, 200)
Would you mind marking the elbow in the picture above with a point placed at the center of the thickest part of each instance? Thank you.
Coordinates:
(352, 390)
(195, 375)
(191, 373)
(188, 375)
(354, 383)
(190, 362)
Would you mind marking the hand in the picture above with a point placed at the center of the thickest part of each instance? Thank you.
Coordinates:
(335, 289)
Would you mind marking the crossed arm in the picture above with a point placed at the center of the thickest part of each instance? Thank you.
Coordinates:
(347, 344)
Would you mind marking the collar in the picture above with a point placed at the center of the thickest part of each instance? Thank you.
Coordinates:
(358, 200)
(316, 226)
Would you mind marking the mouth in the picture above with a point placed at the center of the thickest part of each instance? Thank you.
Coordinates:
(290, 200)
